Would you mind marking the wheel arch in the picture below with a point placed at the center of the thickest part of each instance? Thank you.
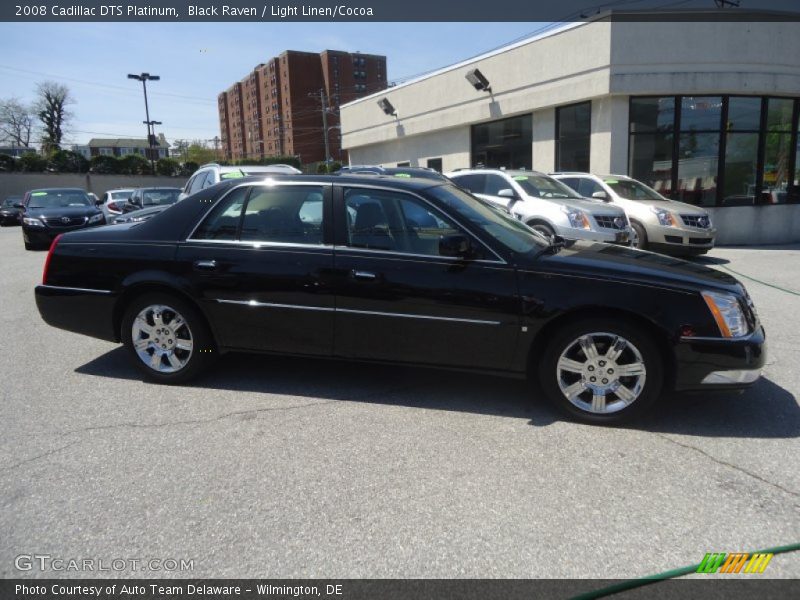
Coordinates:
(658, 334)
(138, 288)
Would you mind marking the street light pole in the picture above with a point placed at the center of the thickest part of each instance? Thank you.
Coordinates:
(144, 77)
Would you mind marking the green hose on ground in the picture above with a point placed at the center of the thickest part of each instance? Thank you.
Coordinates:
(680, 572)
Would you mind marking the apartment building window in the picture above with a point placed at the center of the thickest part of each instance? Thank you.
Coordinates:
(573, 136)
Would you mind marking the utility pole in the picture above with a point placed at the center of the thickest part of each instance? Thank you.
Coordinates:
(325, 125)
(144, 78)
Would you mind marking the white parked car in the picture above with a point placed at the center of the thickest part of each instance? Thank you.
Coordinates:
(113, 201)
(658, 223)
(212, 173)
(547, 205)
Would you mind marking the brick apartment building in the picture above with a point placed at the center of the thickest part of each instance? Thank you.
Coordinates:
(277, 109)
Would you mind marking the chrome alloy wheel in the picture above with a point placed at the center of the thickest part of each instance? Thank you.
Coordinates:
(601, 373)
(162, 338)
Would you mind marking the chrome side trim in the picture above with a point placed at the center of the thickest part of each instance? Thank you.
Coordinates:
(255, 303)
(76, 289)
(409, 256)
(407, 316)
(255, 245)
(274, 305)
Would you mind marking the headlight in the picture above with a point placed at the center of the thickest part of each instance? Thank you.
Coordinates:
(96, 218)
(31, 222)
(727, 312)
(665, 217)
(577, 218)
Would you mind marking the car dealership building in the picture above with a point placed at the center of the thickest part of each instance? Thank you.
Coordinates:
(704, 111)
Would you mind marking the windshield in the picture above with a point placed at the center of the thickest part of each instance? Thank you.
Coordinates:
(58, 199)
(542, 186)
(511, 233)
(630, 189)
(159, 197)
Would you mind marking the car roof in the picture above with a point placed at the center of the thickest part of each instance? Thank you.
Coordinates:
(59, 190)
(160, 187)
(374, 180)
(483, 170)
(120, 190)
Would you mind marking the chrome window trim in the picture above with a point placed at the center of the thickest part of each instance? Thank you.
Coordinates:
(75, 289)
(266, 182)
(466, 230)
(410, 255)
(257, 304)
(257, 245)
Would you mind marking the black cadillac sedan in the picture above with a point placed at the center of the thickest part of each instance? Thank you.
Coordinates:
(405, 271)
(46, 213)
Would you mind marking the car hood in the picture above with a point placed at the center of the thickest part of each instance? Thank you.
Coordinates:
(596, 207)
(609, 261)
(67, 211)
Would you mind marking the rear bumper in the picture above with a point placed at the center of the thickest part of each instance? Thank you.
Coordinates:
(89, 312)
(724, 364)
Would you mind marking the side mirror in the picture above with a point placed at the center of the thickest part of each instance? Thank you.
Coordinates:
(456, 245)
(507, 193)
(19, 205)
(601, 195)
(98, 202)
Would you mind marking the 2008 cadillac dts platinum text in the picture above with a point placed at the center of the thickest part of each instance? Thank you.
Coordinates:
(411, 271)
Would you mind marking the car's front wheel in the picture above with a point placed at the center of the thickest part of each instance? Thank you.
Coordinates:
(602, 370)
(639, 236)
(167, 338)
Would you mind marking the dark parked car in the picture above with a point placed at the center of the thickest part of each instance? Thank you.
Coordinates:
(143, 214)
(48, 212)
(405, 271)
(10, 211)
(154, 196)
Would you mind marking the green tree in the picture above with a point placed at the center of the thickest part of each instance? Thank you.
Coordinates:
(134, 164)
(32, 162)
(168, 167)
(198, 152)
(66, 161)
(104, 164)
(51, 108)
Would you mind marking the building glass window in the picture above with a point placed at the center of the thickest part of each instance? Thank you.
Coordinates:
(435, 164)
(777, 150)
(506, 143)
(728, 151)
(573, 137)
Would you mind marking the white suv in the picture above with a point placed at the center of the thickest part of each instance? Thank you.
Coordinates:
(658, 223)
(212, 173)
(547, 205)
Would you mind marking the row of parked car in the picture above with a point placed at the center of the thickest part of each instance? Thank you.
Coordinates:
(574, 206)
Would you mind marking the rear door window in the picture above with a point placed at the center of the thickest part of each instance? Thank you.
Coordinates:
(223, 221)
(473, 182)
(284, 214)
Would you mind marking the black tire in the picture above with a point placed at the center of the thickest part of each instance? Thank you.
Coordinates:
(641, 234)
(552, 378)
(543, 228)
(203, 351)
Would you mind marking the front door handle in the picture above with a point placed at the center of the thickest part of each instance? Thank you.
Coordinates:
(367, 275)
(205, 265)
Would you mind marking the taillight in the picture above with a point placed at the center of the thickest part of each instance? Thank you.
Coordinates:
(49, 256)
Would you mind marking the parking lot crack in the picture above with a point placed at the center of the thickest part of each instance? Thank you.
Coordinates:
(729, 464)
(39, 456)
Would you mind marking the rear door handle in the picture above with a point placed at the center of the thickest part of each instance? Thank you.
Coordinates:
(367, 275)
(205, 265)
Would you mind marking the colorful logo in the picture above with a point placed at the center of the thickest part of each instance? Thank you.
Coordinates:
(741, 562)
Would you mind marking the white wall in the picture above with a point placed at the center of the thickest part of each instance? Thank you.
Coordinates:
(451, 145)
(609, 142)
(544, 133)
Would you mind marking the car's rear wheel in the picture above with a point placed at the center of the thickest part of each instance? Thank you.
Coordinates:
(639, 236)
(602, 370)
(167, 338)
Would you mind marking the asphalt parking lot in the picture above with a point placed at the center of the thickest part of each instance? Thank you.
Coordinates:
(279, 467)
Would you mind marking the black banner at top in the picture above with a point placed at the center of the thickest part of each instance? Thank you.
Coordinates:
(394, 10)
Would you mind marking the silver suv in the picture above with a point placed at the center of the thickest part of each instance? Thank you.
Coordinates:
(212, 173)
(547, 205)
(658, 224)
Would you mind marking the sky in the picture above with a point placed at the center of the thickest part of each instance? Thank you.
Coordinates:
(196, 61)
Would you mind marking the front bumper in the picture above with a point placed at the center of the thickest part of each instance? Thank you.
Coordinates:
(609, 236)
(719, 363)
(680, 240)
(89, 312)
(43, 236)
